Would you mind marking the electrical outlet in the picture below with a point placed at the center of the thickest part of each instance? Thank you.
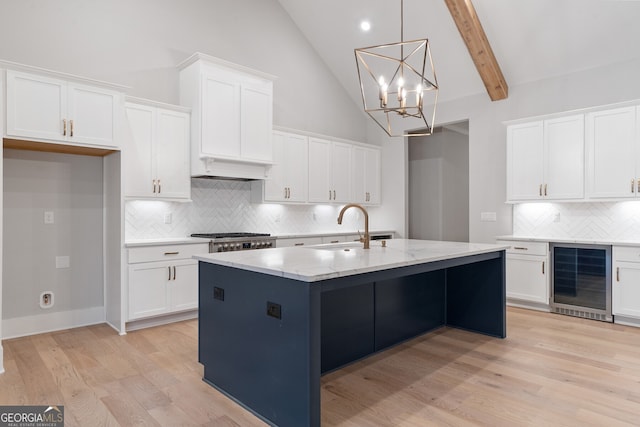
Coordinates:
(48, 217)
(168, 217)
(218, 293)
(46, 299)
(274, 310)
(556, 217)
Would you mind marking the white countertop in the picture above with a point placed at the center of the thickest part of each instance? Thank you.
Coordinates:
(321, 262)
(578, 240)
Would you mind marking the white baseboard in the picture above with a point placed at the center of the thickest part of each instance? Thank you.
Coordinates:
(627, 321)
(161, 320)
(529, 305)
(49, 322)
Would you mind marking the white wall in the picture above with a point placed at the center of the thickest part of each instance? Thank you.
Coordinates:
(139, 43)
(439, 186)
(70, 187)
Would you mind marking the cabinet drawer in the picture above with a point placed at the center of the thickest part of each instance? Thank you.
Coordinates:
(166, 252)
(626, 253)
(303, 241)
(525, 248)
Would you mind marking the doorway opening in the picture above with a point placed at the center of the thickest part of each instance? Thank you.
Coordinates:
(439, 184)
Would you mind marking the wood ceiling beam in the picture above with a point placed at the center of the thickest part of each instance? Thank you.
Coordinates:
(470, 28)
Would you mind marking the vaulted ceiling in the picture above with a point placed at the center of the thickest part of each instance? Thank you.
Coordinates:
(532, 39)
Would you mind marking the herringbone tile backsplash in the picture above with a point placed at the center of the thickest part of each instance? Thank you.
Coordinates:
(598, 220)
(225, 206)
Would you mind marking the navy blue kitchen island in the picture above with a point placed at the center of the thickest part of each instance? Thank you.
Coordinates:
(271, 322)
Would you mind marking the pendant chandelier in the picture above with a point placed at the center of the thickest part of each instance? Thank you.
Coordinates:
(399, 85)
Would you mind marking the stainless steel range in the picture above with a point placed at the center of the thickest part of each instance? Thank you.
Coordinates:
(225, 242)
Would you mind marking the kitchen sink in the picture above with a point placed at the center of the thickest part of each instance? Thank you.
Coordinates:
(345, 246)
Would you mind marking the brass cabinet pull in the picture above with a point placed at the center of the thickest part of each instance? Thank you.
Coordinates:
(288, 192)
(285, 192)
(334, 194)
(159, 187)
(154, 186)
(172, 253)
(298, 244)
(617, 274)
(174, 272)
(632, 185)
(169, 272)
(335, 241)
(638, 187)
(545, 189)
(71, 127)
(329, 194)
(520, 248)
(64, 127)
(542, 267)
(540, 190)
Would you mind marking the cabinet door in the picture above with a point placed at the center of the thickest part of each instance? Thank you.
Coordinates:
(341, 172)
(92, 115)
(297, 167)
(183, 287)
(358, 186)
(256, 120)
(525, 155)
(625, 291)
(320, 170)
(137, 156)
(564, 158)
(148, 293)
(274, 186)
(172, 155)
(372, 175)
(611, 153)
(220, 118)
(527, 278)
(36, 106)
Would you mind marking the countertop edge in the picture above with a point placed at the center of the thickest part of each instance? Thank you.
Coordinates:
(343, 273)
(577, 240)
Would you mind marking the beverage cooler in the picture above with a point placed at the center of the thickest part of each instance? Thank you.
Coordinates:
(581, 280)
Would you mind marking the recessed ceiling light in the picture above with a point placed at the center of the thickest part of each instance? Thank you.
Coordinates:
(365, 26)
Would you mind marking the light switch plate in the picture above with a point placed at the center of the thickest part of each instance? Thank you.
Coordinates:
(488, 216)
(62, 262)
(48, 217)
(168, 217)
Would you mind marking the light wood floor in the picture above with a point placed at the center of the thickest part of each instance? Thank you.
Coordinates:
(551, 370)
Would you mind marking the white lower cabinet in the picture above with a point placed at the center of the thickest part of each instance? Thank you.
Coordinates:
(163, 279)
(527, 270)
(625, 290)
(298, 241)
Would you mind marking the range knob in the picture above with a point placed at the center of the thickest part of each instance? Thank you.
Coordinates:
(269, 244)
(225, 247)
(238, 245)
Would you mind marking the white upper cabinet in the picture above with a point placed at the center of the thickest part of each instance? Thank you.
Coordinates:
(287, 181)
(525, 161)
(232, 117)
(545, 159)
(46, 108)
(329, 171)
(365, 175)
(612, 154)
(156, 158)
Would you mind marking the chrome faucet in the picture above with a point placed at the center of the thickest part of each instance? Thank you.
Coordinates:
(366, 221)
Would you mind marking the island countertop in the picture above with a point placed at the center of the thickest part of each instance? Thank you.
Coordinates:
(322, 262)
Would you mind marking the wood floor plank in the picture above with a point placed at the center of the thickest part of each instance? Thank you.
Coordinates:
(551, 370)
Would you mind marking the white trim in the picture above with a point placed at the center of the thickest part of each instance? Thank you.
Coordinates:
(627, 321)
(151, 103)
(161, 320)
(49, 322)
(213, 60)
